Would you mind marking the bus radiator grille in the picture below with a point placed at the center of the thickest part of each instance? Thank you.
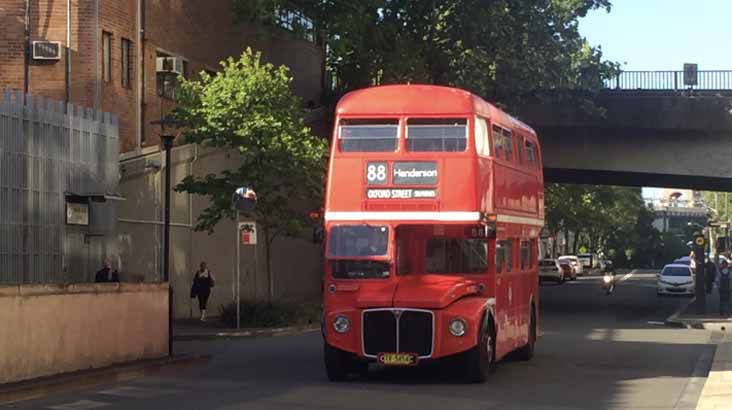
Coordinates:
(415, 331)
(379, 332)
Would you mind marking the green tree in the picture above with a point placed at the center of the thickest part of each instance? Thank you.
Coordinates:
(503, 50)
(610, 219)
(249, 110)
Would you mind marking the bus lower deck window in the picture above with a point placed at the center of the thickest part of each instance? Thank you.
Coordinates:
(437, 135)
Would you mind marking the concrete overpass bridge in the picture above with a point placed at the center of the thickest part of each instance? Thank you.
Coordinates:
(655, 132)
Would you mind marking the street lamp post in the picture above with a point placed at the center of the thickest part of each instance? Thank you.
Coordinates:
(167, 139)
(168, 145)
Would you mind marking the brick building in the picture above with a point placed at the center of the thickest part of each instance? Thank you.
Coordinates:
(110, 64)
(107, 53)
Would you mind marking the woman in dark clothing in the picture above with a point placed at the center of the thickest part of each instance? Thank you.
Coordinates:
(725, 288)
(203, 281)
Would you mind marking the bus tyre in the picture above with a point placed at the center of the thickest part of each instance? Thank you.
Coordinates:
(526, 352)
(336, 363)
(480, 361)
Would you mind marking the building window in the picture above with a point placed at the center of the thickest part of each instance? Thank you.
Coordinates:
(106, 57)
(126, 66)
(296, 22)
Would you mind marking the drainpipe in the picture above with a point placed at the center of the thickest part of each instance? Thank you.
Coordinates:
(140, 71)
(190, 222)
(97, 58)
(68, 51)
(27, 54)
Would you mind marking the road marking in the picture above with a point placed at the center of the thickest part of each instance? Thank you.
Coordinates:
(628, 275)
(136, 392)
(80, 405)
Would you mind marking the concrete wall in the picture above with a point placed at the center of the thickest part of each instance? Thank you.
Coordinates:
(56, 329)
(296, 263)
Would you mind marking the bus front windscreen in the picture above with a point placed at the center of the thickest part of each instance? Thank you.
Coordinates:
(358, 241)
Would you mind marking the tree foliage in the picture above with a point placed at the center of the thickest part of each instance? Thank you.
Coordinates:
(502, 50)
(249, 110)
(608, 219)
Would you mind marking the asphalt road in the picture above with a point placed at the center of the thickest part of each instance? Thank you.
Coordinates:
(595, 352)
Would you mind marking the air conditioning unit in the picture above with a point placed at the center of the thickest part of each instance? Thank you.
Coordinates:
(46, 50)
(173, 65)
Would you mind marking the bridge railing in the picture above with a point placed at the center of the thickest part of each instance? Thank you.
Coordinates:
(712, 80)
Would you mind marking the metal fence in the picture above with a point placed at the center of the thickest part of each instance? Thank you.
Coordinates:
(669, 81)
(49, 151)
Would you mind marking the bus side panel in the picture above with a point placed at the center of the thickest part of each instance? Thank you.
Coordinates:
(347, 175)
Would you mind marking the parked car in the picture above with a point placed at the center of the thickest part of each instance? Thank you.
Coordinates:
(675, 279)
(574, 262)
(551, 269)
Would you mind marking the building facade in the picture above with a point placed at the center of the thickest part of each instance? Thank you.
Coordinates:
(679, 211)
(105, 54)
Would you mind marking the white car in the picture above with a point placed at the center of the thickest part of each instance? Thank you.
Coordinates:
(574, 262)
(549, 269)
(675, 279)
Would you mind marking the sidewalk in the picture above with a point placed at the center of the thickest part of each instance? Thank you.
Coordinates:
(717, 392)
(687, 316)
(213, 328)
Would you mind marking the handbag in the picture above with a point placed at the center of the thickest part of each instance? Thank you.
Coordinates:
(194, 288)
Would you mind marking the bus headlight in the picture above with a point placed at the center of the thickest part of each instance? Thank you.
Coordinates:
(457, 327)
(341, 324)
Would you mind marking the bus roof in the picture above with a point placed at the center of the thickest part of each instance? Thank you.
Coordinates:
(419, 99)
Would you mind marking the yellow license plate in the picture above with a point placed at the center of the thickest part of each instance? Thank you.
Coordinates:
(398, 359)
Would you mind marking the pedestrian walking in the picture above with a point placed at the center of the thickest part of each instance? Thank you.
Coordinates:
(106, 274)
(710, 274)
(203, 281)
(724, 289)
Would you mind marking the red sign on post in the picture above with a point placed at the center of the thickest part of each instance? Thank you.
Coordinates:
(248, 233)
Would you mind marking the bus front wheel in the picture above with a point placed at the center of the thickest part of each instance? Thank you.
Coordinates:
(480, 361)
(339, 364)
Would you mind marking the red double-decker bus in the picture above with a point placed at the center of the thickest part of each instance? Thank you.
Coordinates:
(433, 211)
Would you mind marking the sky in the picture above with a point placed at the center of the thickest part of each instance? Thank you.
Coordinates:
(663, 35)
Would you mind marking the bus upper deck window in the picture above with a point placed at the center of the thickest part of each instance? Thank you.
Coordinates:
(372, 135)
(437, 134)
